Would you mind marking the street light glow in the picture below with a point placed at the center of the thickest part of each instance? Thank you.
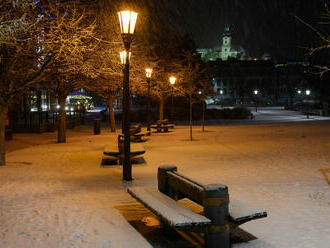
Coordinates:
(148, 72)
(123, 57)
(308, 92)
(221, 92)
(127, 21)
(172, 80)
(256, 92)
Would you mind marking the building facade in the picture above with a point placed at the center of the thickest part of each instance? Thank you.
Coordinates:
(225, 51)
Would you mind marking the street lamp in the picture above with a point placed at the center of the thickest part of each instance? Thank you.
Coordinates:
(308, 92)
(172, 82)
(256, 100)
(148, 75)
(123, 56)
(221, 98)
(127, 20)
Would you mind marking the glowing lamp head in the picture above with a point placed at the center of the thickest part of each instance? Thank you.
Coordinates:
(221, 92)
(127, 20)
(123, 56)
(148, 72)
(308, 92)
(199, 92)
(256, 92)
(172, 80)
(299, 91)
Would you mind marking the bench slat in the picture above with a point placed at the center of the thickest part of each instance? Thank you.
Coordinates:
(168, 210)
(240, 212)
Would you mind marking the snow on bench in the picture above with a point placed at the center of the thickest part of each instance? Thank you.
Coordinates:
(168, 210)
(241, 213)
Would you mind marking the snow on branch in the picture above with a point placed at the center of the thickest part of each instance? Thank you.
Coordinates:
(324, 37)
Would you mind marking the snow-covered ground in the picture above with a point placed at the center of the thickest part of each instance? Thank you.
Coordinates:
(58, 195)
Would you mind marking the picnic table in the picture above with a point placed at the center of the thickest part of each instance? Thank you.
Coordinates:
(162, 125)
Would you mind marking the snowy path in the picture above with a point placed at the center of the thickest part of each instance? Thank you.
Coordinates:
(57, 195)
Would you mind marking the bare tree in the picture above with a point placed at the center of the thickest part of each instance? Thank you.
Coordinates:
(69, 35)
(205, 90)
(194, 82)
(20, 66)
(319, 56)
(324, 37)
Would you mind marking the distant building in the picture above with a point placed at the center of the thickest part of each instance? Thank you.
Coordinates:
(225, 51)
(234, 81)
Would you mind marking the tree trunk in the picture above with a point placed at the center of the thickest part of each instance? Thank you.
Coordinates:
(203, 116)
(161, 109)
(3, 114)
(61, 134)
(111, 115)
(190, 119)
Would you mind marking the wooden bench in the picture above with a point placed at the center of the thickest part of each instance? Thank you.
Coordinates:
(136, 128)
(139, 137)
(220, 215)
(136, 134)
(115, 153)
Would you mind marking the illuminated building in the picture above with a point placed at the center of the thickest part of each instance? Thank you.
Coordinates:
(224, 52)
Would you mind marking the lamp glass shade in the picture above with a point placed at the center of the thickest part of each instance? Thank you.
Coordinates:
(256, 92)
(123, 55)
(127, 20)
(172, 80)
(148, 72)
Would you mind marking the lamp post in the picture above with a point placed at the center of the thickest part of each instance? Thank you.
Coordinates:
(172, 82)
(127, 20)
(221, 98)
(308, 92)
(255, 92)
(148, 75)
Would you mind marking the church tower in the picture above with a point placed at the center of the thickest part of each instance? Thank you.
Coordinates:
(226, 43)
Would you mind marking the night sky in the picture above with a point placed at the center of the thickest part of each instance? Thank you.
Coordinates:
(259, 26)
